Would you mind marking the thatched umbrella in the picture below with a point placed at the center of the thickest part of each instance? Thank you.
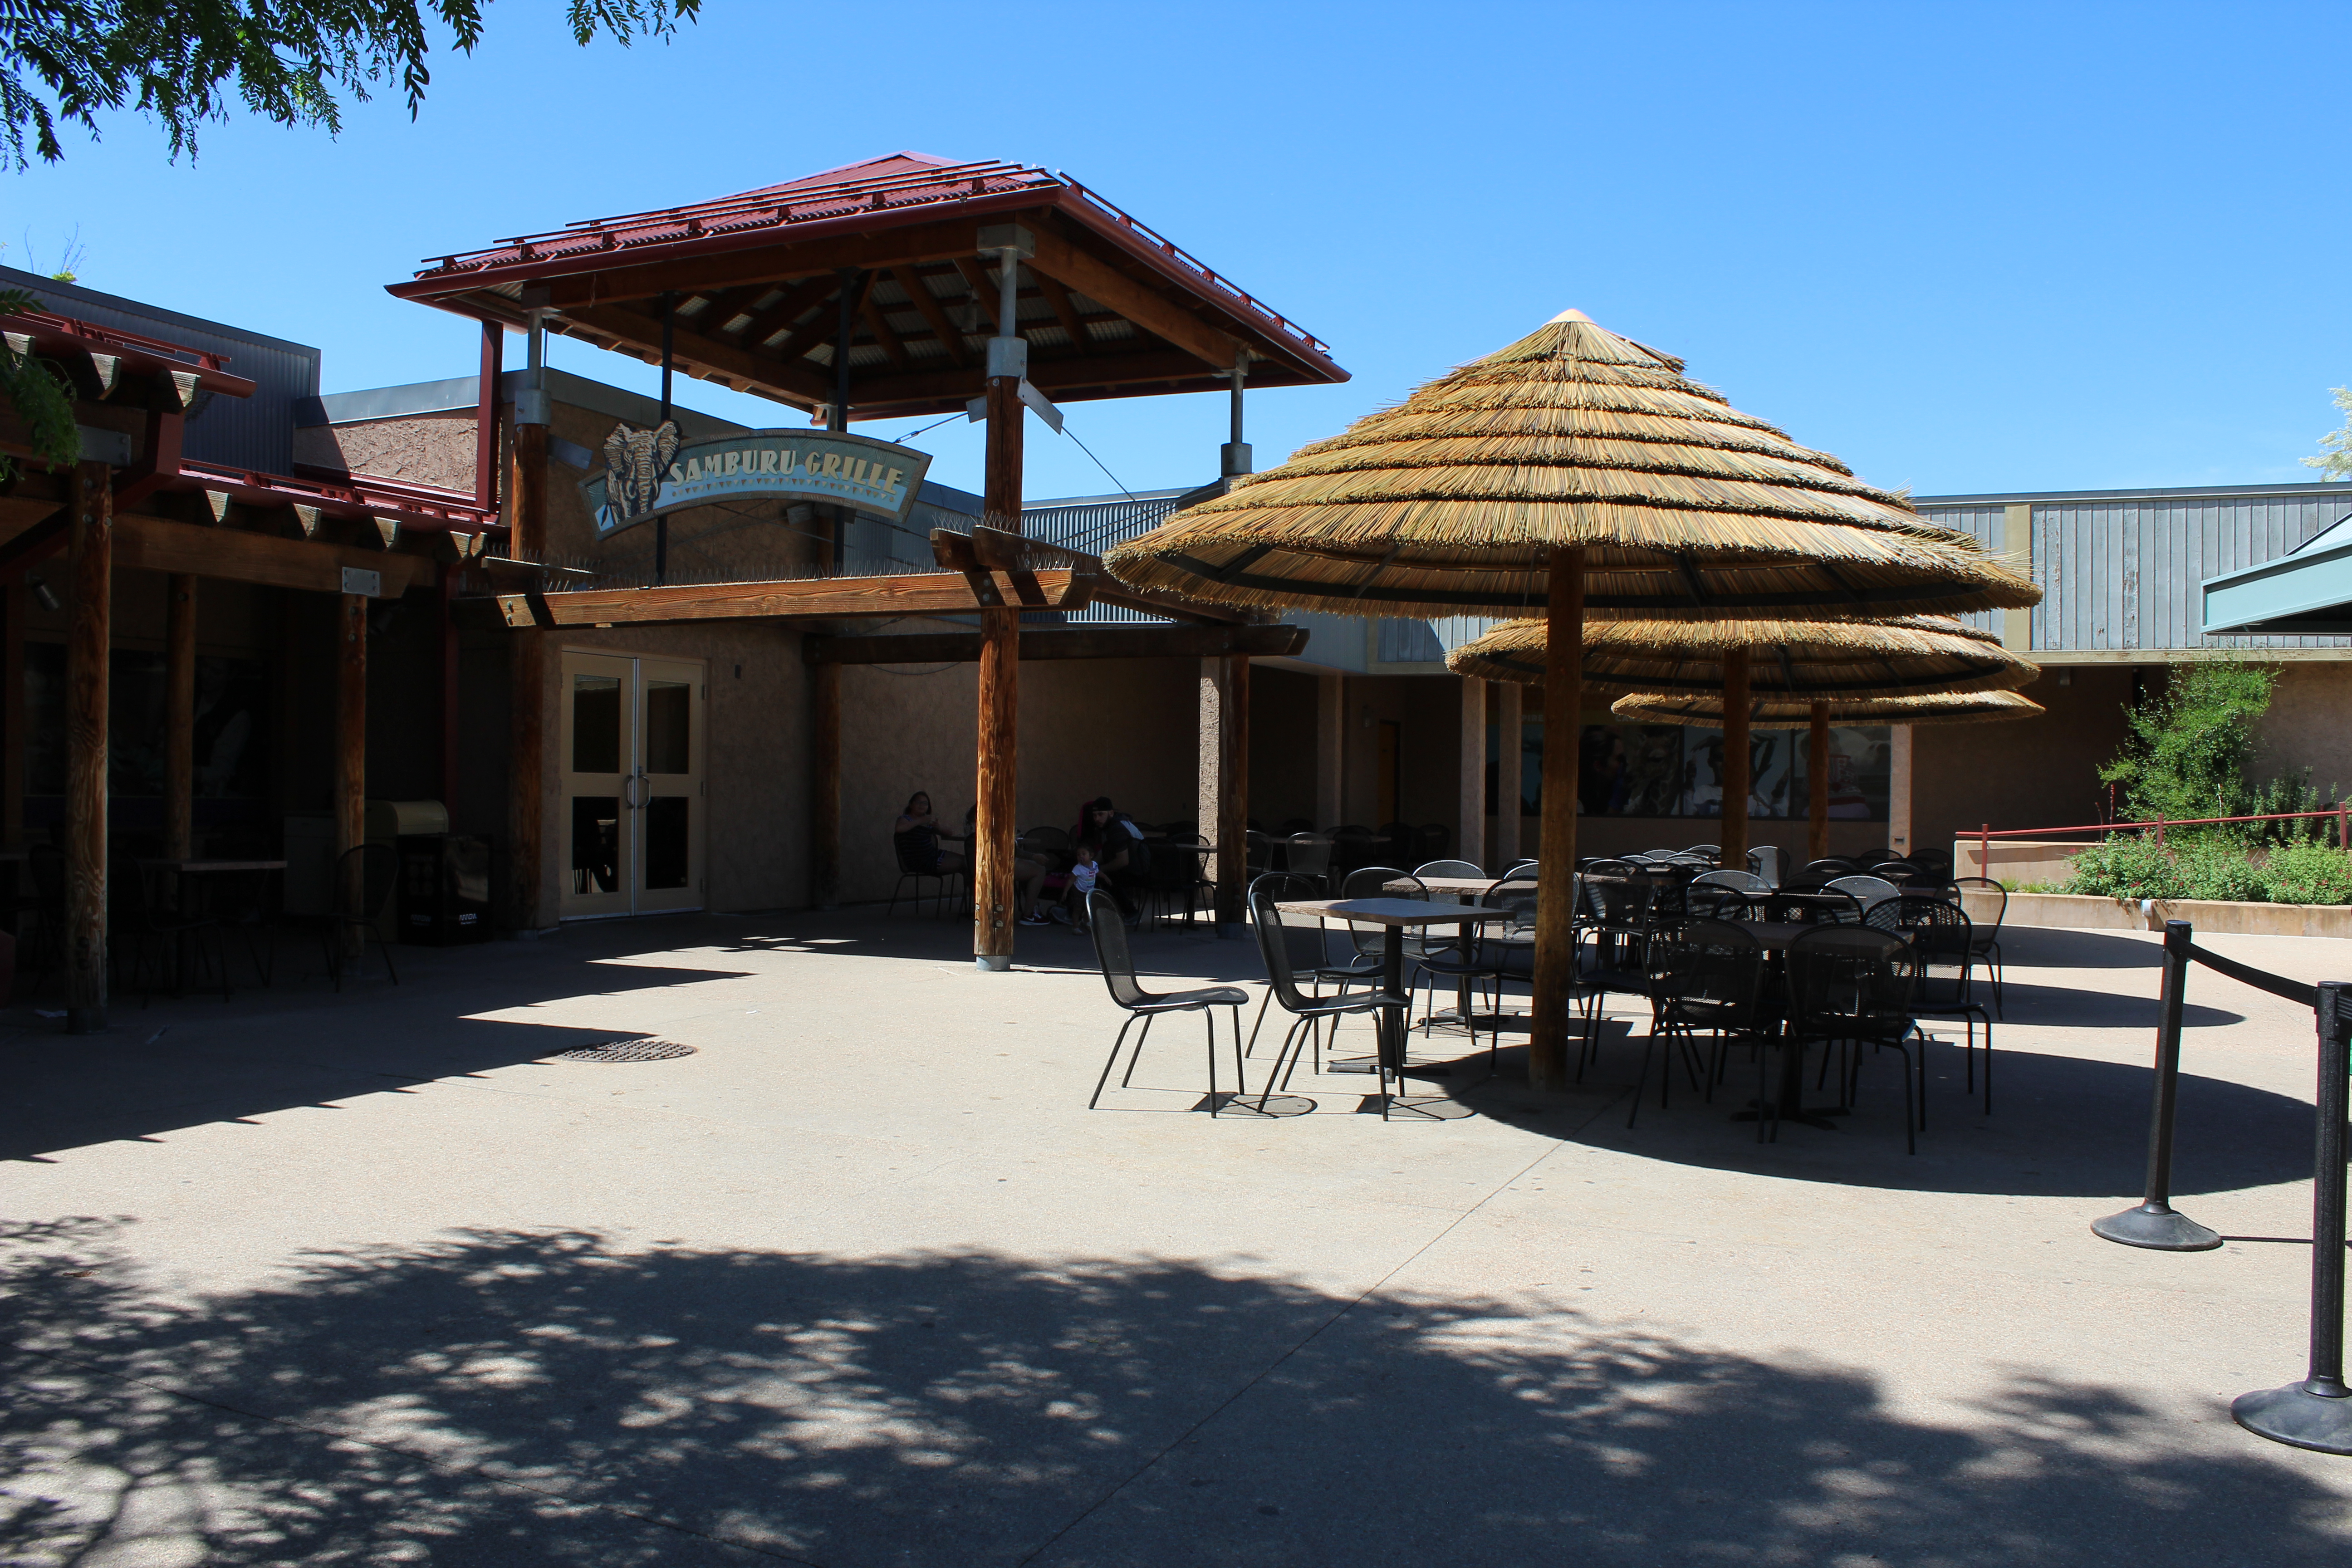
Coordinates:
(1958, 708)
(1799, 662)
(1573, 470)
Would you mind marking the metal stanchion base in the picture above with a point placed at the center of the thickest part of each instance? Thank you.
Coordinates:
(993, 962)
(2158, 1227)
(2297, 1417)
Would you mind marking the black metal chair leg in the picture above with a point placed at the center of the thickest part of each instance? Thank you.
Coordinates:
(1128, 1081)
(1209, 1017)
(1117, 1041)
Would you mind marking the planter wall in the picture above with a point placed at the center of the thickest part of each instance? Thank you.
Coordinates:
(2215, 915)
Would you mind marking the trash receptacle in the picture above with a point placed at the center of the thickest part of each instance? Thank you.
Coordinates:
(444, 889)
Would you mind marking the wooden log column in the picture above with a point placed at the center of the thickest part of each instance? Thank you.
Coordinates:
(825, 785)
(1470, 812)
(1898, 791)
(996, 791)
(1330, 750)
(1735, 759)
(350, 746)
(1555, 961)
(1510, 719)
(526, 716)
(89, 635)
(1817, 784)
(179, 716)
(1222, 805)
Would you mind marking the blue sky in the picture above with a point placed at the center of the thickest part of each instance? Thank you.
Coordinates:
(1966, 248)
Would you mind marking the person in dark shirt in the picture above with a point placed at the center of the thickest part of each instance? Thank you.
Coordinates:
(916, 836)
(1113, 837)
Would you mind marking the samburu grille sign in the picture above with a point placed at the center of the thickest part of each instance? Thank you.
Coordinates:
(650, 472)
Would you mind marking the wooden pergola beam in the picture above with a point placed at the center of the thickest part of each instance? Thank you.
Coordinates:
(926, 304)
(1057, 258)
(1072, 642)
(706, 357)
(780, 264)
(927, 594)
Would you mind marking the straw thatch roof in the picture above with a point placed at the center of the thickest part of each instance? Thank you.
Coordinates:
(1452, 502)
(1966, 708)
(1805, 661)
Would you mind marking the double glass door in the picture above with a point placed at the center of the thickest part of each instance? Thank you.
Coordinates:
(632, 803)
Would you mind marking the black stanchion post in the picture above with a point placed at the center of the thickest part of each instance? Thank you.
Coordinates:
(2317, 1412)
(2154, 1224)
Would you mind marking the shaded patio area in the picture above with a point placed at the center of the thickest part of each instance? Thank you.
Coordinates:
(369, 1278)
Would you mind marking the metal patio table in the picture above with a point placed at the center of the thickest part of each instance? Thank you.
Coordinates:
(1396, 914)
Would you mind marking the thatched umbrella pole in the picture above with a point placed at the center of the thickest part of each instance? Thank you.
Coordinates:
(1817, 784)
(1555, 966)
(1734, 853)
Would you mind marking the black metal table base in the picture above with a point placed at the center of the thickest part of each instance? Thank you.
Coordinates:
(1806, 1115)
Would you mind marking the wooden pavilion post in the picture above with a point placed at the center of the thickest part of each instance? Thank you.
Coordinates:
(12, 715)
(1555, 961)
(1817, 784)
(1510, 719)
(527, 731)
(179, 716)
(444, 597)
(351, 749)
(90, 637)
(996, 793)
(1734, 761)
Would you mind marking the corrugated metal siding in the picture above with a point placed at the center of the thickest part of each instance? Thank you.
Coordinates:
(255, 433)
(1986, 522)
(2124, 575)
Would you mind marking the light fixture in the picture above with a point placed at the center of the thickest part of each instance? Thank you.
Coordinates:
(44, 595)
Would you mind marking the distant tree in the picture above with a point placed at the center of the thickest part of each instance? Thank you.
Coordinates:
(2336, 462)
(2186, 747)
(180, 62)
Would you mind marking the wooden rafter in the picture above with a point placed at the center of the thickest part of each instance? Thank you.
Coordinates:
(797, 298)
(1066, 313)
(877, 322)
(919, 293)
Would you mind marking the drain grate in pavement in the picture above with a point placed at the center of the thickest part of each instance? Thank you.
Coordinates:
(626, 1051)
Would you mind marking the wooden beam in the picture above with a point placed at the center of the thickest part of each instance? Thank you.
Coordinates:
(1067, 373)
(1140, 303)
(1817, 784)
(877, 322)
(36, 542)
(1068, 642)
(824, 787)
(709, 358)
(238, 555)
(90, 637)
(1064, 313)
(785, 312)
(179, 716)
(527, 678)
(1221, 799)
(351, 753)
(911, 278)
(445, 639)
(1510, 767)
(912, 594)
(1734, 832)
(486, 418)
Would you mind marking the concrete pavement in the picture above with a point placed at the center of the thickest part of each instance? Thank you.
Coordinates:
(361, 1279)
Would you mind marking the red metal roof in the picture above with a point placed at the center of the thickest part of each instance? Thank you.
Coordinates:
(905, 185)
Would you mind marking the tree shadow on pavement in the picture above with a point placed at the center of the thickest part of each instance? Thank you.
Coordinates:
(516, 1398)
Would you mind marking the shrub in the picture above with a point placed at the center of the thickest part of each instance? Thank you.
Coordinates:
(2126, 868)
(2216, 868)
(2186, 748)
(2308, 873)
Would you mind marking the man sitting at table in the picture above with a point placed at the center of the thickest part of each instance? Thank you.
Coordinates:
(1118, 849)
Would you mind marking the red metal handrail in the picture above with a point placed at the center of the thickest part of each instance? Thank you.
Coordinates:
(2341, 812)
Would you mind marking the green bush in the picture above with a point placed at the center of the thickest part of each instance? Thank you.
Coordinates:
(2186, 747)
(2308, 873)
(2216, 868)
(2126, 868)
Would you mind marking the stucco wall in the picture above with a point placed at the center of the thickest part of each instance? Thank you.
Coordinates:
(2025, 773)
(423, 448)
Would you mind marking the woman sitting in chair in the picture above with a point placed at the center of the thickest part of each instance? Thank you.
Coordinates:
(916, 838)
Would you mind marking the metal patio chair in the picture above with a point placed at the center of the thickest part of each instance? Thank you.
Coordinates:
(1984, 938)
(365, 876)
(1117, 960)
(1945, 939)
(1306, 1012)
(1850, 986)
(1709, 977)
